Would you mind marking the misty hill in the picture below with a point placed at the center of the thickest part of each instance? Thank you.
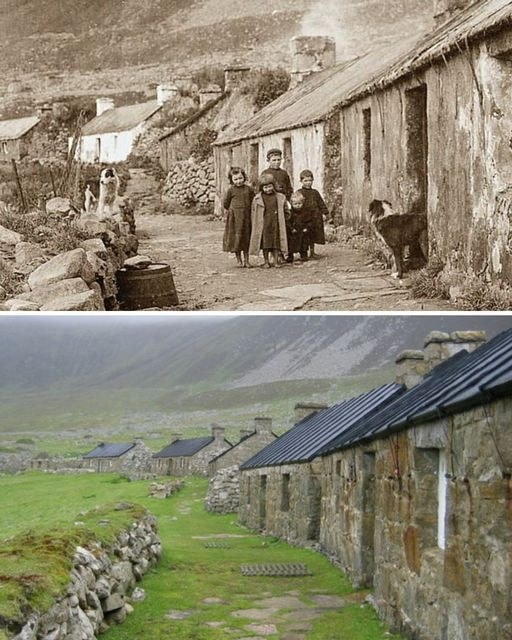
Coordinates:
(206, 353)
(44, 42)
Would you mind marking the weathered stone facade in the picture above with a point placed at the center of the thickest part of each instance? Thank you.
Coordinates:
(249, 444)
(101, 581)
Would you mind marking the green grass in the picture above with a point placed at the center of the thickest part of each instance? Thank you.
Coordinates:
(188, 572)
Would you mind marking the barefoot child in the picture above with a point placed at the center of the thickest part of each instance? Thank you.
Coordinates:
(317, 207)
(268, 222)
(283, 183)
(237, 202)
(299, 226)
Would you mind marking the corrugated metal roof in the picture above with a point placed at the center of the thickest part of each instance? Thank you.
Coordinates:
(187, 447)
(465, 380)
(13, 129)
(315, 98)
(121, 118)
(311, 435)
(113, 450)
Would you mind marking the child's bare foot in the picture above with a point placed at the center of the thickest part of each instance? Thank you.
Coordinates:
(266, 265)
(247, 265)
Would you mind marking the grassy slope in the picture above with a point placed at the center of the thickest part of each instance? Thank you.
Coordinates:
(188, 572)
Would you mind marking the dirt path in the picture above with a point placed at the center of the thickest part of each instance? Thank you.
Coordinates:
(343, 279)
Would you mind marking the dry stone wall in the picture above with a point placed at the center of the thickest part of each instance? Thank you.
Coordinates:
(223, 494)
(101, 587)
(191, 183)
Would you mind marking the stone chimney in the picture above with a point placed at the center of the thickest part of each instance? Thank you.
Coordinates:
(234, 76)
(176, 436)
(410, 368)
(166, 93)
(440, 346)
(209, 93)
(217, 432)
(262, 425)
(103, 104)
(138, 441)
(446, 9)
(304, 409)
(310, 54)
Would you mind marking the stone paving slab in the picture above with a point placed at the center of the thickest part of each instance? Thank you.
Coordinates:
(328, 602)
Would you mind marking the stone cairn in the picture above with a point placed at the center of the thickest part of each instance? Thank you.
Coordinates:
(101, 590)
(223, 494)
(191, 183)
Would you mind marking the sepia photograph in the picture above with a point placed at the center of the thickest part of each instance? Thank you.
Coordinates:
(313, 155)
(255, 320)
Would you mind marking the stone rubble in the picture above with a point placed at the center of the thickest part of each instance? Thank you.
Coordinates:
(101, 589)
(223, 494)
(191, 183)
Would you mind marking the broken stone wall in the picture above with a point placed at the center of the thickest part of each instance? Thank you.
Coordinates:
(99, 593)
(223, 494)
(468, 164)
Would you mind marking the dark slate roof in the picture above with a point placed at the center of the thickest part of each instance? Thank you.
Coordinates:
(121, 118)
(14, 129)
(187, 447)
(320, 94)
(114, 450)
(311, 435)
(463, 381)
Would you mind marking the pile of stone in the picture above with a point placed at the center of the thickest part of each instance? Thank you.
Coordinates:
(224, 491)
(83, 279)
(190, 183)
(101, 590)
(165, 489)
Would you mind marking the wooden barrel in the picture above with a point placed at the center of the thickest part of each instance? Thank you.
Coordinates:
(145, 288)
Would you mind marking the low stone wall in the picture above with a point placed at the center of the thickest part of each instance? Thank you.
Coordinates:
(82, 279)
(223, 494)
(190, 183)
(98, 594)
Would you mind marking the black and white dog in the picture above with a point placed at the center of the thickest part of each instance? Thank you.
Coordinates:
(109, 187)
(397, 231)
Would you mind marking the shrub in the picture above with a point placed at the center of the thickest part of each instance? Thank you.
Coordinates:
(9, 279)
(201, 147)
(268, 86)
(478, 295)
(431, 282)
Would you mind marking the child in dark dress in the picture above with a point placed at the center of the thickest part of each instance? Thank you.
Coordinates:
(316, 205)
(268, 222)
(283, 183)
(237, 202)
(299, 224)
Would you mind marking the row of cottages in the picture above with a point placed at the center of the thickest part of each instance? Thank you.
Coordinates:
(219, 111)
(424, 123)
(110, 136)
(15, 137)
(408, 489)
(190, 456)
(251, 441)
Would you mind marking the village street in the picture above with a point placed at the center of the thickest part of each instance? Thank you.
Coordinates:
(343, 279)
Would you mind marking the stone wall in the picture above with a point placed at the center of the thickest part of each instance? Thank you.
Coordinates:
(101, 587)
(81, 279)
(283, 501)
(198, 463)
(242, 451)
(425, 517)
(223, 494)
(190, 183)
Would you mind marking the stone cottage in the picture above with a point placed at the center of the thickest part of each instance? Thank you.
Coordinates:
(15, 136)
(251, 441)
(190, 456)
(422, 122)
(413, 499)
(110, 136)
(280, 486)
(127, 458)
